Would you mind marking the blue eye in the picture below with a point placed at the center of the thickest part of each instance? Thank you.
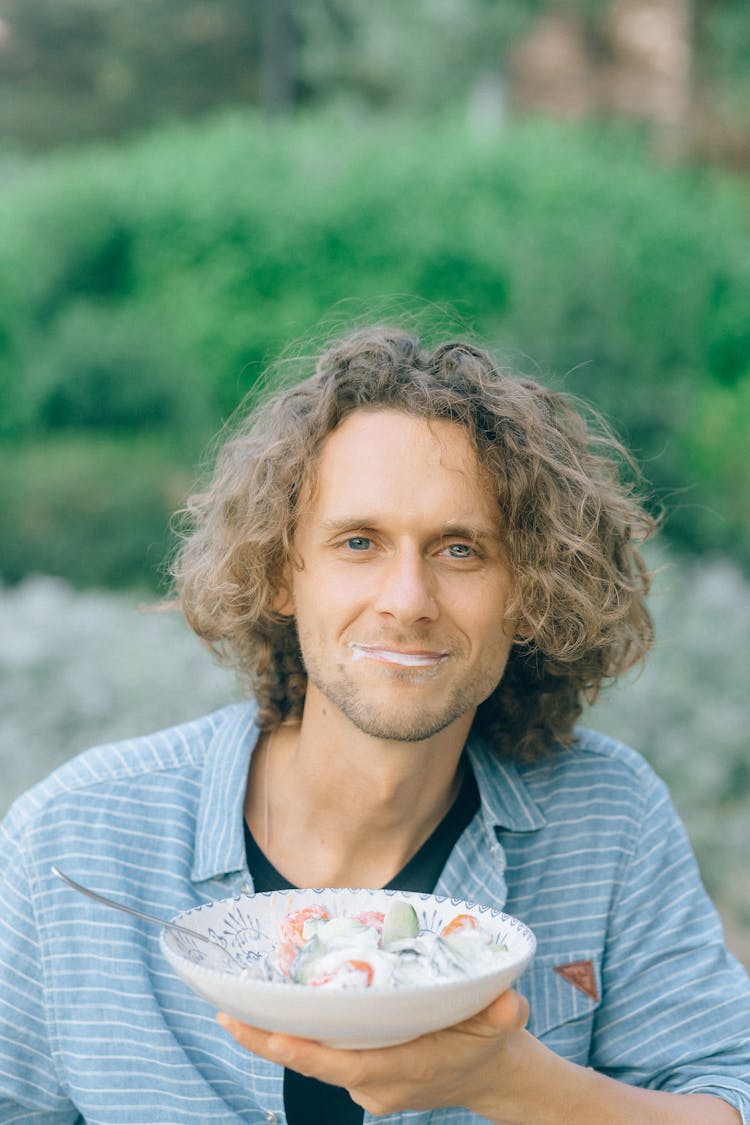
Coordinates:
(358, 543)
(460, 550)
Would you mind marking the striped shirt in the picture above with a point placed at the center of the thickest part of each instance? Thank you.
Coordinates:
(631, 975)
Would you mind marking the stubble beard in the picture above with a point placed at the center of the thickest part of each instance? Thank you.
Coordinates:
(398, 726)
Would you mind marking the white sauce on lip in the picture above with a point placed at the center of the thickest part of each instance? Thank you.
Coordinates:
(388, 656)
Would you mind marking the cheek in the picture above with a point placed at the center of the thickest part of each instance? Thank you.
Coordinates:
(336, 595)
(323, 606)
(482, 614)
(493, 642)
(496, 647)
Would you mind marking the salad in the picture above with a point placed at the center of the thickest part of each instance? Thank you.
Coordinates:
(374, 950)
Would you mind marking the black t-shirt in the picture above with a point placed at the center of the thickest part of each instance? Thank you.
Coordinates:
(307, 1100)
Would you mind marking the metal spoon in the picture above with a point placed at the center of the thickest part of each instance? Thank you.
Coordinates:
(185, 930)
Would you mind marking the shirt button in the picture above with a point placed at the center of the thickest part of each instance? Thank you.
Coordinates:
(270, 1116)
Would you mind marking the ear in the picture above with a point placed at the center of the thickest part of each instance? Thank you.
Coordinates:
(283, 599)
(523, 632)
(283, 603)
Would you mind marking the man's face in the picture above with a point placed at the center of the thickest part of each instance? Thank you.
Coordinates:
(401, 589)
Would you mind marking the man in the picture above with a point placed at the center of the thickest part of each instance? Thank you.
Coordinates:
(422, 567)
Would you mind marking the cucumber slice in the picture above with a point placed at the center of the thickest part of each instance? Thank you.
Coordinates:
(400, 923)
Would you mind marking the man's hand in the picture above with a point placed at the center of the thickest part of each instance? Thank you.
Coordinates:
(488, 1064)
(454, 1067)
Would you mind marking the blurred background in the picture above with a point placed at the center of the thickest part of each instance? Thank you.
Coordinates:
(186, 186)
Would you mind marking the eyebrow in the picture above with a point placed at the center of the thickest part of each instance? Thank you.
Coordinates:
(449, 530)
(468, 531)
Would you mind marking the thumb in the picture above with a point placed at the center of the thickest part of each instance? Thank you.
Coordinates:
(509, 1012)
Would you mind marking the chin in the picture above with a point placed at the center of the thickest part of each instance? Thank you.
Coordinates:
(400, 728)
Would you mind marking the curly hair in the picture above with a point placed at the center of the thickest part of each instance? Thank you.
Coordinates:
(571, 529)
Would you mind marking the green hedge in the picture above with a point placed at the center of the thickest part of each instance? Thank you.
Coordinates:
(93, 509)
(143, 288)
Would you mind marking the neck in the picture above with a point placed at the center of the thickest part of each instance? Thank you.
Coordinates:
(332, 806)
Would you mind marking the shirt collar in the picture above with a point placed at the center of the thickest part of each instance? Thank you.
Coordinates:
(219, 834)
(505, 797)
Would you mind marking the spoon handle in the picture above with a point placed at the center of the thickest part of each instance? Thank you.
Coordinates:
(129, 909)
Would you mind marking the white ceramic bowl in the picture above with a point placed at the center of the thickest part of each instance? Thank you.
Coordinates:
(247, 927)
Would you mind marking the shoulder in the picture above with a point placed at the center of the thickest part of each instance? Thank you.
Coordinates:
(131, 765)
(593, 755)
(595, 774)
(601, 749)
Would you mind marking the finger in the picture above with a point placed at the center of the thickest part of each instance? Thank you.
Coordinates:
(272, 1045)
(339, 1068)
(251, 1038)
(508, 1012)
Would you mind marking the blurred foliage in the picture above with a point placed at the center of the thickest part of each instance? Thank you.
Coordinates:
(90, 507)
(143, 289)
(420, 56)
(82, 69)
(722, 36)
(77, 69)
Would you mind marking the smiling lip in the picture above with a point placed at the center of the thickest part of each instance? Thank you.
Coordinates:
(420, 659)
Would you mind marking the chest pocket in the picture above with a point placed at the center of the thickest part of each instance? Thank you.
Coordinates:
(563, 1004)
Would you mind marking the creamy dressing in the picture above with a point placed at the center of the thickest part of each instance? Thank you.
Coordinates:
(373, 950)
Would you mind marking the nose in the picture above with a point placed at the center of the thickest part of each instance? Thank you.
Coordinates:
(406, 590)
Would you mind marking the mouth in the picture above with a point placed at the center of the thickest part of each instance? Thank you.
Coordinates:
(403, 658)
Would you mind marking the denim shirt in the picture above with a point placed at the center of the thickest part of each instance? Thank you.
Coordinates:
(631, 975)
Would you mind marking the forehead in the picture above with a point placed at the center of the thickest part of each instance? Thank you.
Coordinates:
(390, 460)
